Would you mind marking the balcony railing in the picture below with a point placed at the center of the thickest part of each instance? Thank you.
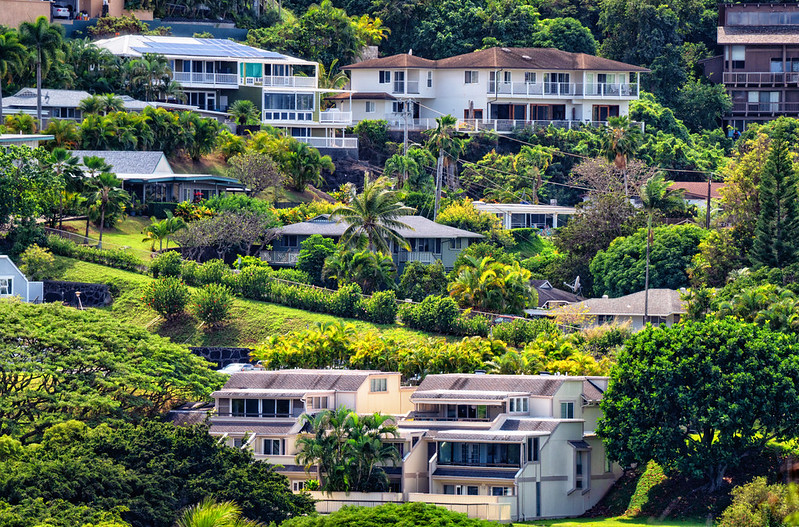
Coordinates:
(416, 256)
(335, 117)
(761, 78)
(403, 87)
(765, 108)
(563, 89)
(187, 78)
(293, 81)
(329, 142)
(497, 125)
(280, 257)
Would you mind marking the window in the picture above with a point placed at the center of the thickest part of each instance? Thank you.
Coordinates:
(317, 403)
(567, 410)
(397, 107)
(290, 240)
(6, 286)
(399, 82)
(271, 447)
(379, 385)
(518, 404)
(737, 54)
(529, 77)
(370, 107)
(251, 407)
(532, 449)
(582, 469)
(507, 77)
(502, 491)
(297, 486)
(275, 407)
(449, 489)
(556, 83)
(472, 490)
(238, 442)
(237, 407)
(471, 77)
(479, 454)
(429, 79)
(776, 66)
(384, 77)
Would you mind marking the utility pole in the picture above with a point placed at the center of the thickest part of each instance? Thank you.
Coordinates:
(405, 107)
(439, 170)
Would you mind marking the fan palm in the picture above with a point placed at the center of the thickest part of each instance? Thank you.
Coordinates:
(374, 214)
(656, 196)
(46, 38)
(105, 191)
(620, 142)
(243, 111)
(12, 54)
(210, 513)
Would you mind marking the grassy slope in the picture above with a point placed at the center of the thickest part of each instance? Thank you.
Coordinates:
(126, 233)
(251, 322)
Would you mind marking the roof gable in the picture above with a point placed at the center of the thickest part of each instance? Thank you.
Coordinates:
(130, 162)
(417, 227)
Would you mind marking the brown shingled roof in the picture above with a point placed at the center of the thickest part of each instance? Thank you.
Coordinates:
(698, 189)
(505, 58)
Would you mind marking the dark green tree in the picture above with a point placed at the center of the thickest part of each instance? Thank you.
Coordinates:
(406, 515)
(44, 39)
(418, 281)
(777, 228)
(313, 252)
(700, 397)
(567, 34)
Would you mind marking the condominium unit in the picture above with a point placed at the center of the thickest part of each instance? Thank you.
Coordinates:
(759, 65)
(495, 88)
(507, 447)
(214, 73)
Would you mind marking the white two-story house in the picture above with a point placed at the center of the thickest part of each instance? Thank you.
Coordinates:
(214, 73)
(500, 447)
(495, 88)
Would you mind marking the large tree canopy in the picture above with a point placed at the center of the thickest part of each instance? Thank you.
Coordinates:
(699, 397)
(145, 474)
(58, 363)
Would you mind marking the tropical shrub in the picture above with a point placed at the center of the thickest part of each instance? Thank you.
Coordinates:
(381, 308)
(406, 515)
(212, 271)
(418, 281)
(188, 271)
(167, 296)
(519, 331)
(37, 263)
(758, 504)
(211, 303)
(166, 264)
(435, 313)
(313, 252)
(344, 302)
(292, 275)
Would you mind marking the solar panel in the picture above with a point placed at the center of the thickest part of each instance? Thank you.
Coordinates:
(205, 48)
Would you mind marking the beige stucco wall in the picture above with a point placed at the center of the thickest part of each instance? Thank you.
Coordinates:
(388, 402)
(138, 13)
(15, 12)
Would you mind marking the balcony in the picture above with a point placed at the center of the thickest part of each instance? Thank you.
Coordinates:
(753, 79)
(568, 90)
(329, 142)
(765, 108)
(280, 257)
(293, 81)
(416, 256)
(187, 78)
(277, 117)
(497, 125)
(405, 87)
(335, 117)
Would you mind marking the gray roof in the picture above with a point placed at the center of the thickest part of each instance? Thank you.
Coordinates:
(124, 161)
(591, 391)
(580, 445)
(547, 293)
(541, 385)
(485, 436)
(418, 227)
(26, 98)
(466, 395)
(662, 303)
(530, 425)
(472, 473)
(307, 380)
(261, 428)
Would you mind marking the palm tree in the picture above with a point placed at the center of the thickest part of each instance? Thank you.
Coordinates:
(22, 123)
(243, 110)
(656, 196)
(151, 73)
(447, 146)
(402, 167)
(304, 165)
(374, 214)
(210, 513)
(162, 230)
(12, 54)
(65, 165)
(620, 142)
(46, 38)
(64, 131)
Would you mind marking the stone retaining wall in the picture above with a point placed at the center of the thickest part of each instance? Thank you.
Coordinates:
(91, 295)
(222, 356)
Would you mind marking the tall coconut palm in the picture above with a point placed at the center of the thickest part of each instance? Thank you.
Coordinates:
(45, 39)
(374, 214)
(620, 142)
(657, 196)
(151, 73)
(210, 513)
(65, 166)
(105, 191)
(12, 54)
(444, 143)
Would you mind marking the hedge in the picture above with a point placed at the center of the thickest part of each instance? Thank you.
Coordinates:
(439, 314)
(116, 258)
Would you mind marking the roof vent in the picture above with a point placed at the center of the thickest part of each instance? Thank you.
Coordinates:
(553, 202)
(604, 296)
(479, 372)
(506, 50)
(528, 57)
(544, 373)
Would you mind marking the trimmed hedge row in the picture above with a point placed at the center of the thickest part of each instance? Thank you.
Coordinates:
(439, 314)
(116, 258)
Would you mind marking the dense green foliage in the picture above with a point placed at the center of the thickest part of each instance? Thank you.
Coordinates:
(405, 515)
(700, 396)
(418, 281)
(166, 296)
(144, 474)
(759, 504)
(211, 303)
(61, 363)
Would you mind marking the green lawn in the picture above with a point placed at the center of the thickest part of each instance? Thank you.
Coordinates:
(250, 323)
(613, 522)
(126, 233)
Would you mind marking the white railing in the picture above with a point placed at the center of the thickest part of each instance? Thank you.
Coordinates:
(290, 81)
(761, 78)
(416, 256)
(497, 125)
(335, 117)
(280, 257)
(329, 142)
(188, 78)
(563, 89)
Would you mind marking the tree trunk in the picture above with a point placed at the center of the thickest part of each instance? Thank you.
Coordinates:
(1, 101)
(39, 86)
(439, 173)
(646, 279)
(102, 221)
(87, 227)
